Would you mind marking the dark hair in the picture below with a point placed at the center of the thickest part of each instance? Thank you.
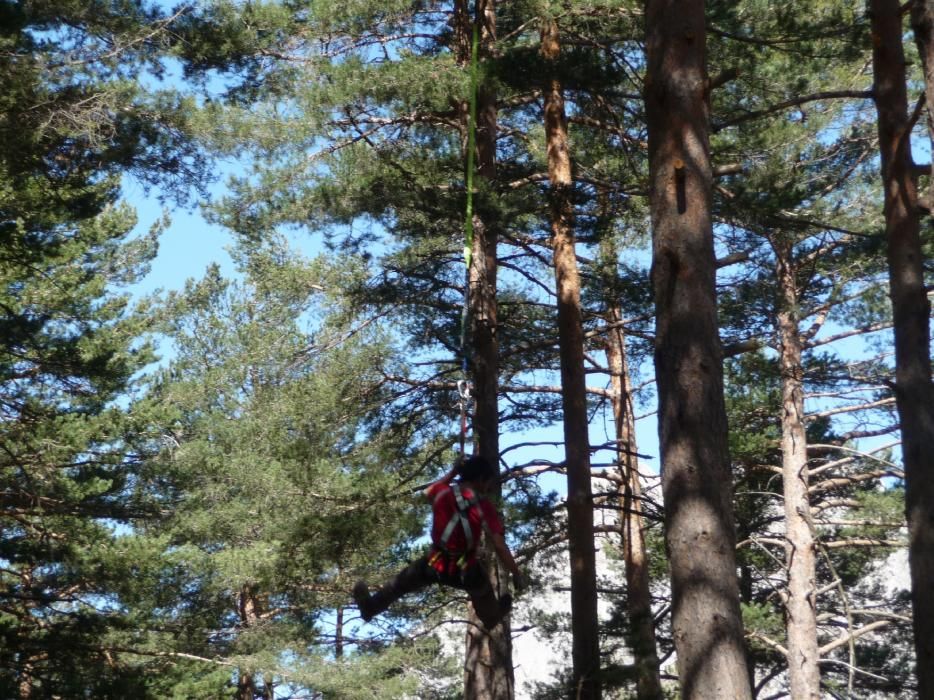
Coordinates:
(476, 468)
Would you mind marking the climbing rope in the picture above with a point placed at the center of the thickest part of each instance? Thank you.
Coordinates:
(463, 385)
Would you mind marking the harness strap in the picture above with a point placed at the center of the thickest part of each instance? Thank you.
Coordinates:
(460, 517)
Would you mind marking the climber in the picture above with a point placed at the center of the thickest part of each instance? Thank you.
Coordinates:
(459, 516)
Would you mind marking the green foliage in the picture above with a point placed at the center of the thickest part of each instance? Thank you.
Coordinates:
(287, 472)
(177, 541)
(74, 119)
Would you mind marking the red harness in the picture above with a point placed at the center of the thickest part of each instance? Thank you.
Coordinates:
(453, 562)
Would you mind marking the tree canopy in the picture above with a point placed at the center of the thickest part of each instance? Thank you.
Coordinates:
(693, 332)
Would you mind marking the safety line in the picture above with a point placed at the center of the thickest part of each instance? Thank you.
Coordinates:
(464, 385)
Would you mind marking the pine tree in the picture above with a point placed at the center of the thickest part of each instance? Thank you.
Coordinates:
(911, 310)
(700, 534)
(72, 121)
(288, 479)
(584, 628)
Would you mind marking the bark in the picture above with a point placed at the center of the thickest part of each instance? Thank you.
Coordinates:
(339, 633)
(696, 478)
(248, 610)
(800, 559)
(638, 593)
(914, 392)
(488, 669)
(585, 642)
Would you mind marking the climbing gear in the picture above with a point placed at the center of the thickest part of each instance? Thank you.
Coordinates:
(443, 559)
(464, 504)
(464, 398)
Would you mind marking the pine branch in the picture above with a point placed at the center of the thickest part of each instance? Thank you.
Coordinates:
(768, 642)
(795, 102)
(857, 454)
(853, 669)
(829, 484)
(162, 654)
(855, 634)
(851, 409)
(862, 330)
(864, 542)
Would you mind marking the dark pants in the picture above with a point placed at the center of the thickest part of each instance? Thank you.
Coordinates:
(420, 574)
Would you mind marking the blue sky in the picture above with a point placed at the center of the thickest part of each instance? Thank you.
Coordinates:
(186, 248)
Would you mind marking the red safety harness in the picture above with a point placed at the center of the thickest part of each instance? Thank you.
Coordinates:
(454, 562)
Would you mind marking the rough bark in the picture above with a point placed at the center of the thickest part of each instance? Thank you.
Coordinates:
(696, 478)
(638, 592)
(488, 669)
(585, 642)
(800, 604)
(248, 611)
(914, 392)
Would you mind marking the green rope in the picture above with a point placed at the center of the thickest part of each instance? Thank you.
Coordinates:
(471, 146)
(463, 387)
(468, 220)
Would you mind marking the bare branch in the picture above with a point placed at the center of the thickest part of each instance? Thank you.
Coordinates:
(864, 542)
(851, 409)
(854, 479)
(847, 638)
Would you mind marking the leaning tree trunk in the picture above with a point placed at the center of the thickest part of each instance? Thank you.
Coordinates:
(800, 603)
(638, 592)
(585, 640)
(911, 309)
(488, 669)
(696, 476)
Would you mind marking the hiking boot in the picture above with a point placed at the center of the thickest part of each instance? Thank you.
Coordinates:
(361, 596)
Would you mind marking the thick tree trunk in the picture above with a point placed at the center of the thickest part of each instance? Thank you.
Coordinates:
(638, 592)
(800, 604)
(914, 392)
(585, 644)
(488, 669)
(696, 475)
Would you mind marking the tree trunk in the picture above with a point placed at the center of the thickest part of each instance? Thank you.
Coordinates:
(339, 633)
(247, 609)
(585, 645)
(638, 592)
(696, 476)
(488, 670)
(800, 604)
(914, 392)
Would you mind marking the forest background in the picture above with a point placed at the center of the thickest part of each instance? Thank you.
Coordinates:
(679, 251)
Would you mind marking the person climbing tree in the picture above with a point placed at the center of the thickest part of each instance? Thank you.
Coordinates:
(459, 517)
